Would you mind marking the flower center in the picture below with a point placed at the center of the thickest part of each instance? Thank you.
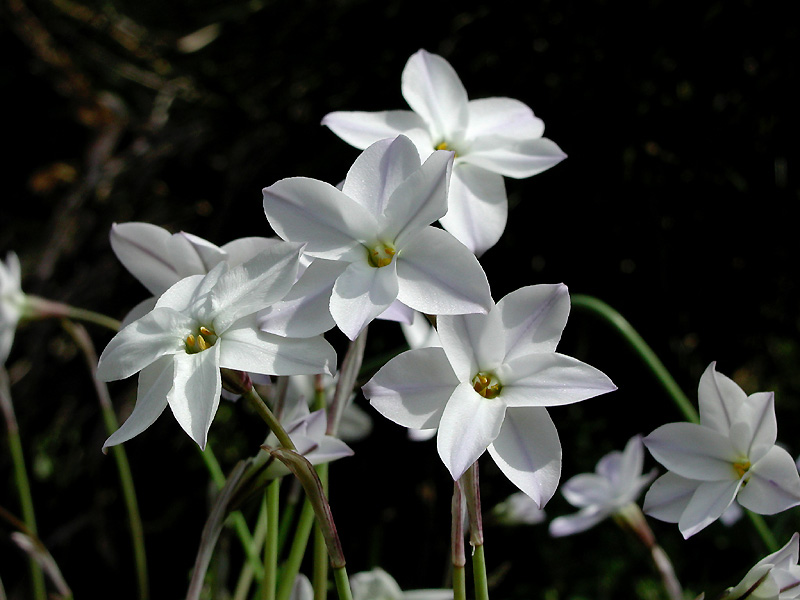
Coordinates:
(487, 385)
(741, 467)
(203, 340)
(444, 146)
(380, 255)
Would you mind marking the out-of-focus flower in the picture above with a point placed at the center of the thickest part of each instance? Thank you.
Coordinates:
(775, 577)
(730, 455)
(378, 226)
(616, 483)
(518, 509)
(491, 137)
(488, 385)
(377, 584)
(199, 325)
(12, 303)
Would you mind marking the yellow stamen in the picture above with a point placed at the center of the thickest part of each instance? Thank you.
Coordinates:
(190, 340)
(487, 385)
(205, 331)
(741, 467)
(381, 255)
(442, 146)
(201, 341)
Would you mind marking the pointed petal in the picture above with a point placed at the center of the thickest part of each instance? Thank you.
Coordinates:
(472, 343)
(586, 489)
(438, 275)
(503, 117)
(142, 248)
(413, 388)
(477, 207)
(706, 505)
(361, 129)
(518, 159)
(249, 287)
(550, 379)
(420, 333)
(774, 484)
(399, 312)
(469, 424)
(534, 318)
(184, 293)
(528, 452)
(759, 413)
(155, 382)
(243, 249)
(669, 496)
(580, 521)
(138, 311)
(245, 348)
(693, 451)
(719, 399)
(433, 90)
(360, 294)
(378, 172)
(158, 333)
(194, 397)
(630, 468)
(192, 255)
(306, 210)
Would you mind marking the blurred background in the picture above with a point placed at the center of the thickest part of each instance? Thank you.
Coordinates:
(674, 206)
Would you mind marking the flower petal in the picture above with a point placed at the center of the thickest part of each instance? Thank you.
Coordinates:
(759, 413)
(518, 159)
(534, 318)
(361, 293)
(693, 451)
(581, 521)
(706, 505)
(469, 424)
(719, 399)
(143, 249)
(155, 382)
(141, 343)
(245, 348)
(192, 255)
(194, 397)
(669, 496)
(774, 484)
(504, 117)
(439, 275)
(528, 452)
(586, 489)
(477, 207)
(243, 249)
(472, 343)
(550, 379)
(413, 388)
(433, 90)
(362, 129)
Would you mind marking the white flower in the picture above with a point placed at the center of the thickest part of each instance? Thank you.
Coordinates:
(199, 325)
(12, 303)
(778, 574)
(488, 386)
(518, 509)
(617, 482)
(491, 137)
(378, 226)
(730, 455)
(377, 584)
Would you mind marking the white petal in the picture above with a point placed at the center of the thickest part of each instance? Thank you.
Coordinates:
(155, 382)
(420, 333)
(194, 397)
(719, 399)
(438, 275)
(706, 505)
(586, 489)
(184, 293)
(138, 311)
(528, 452)
(774, 484)
(477, 207)
(306, 210)
(249, 287)
(759, 412)
(142, 248)
(192, 255)
(374, 584)
(162, 331)
(550, 379)
(469, 424)
(436, 594)
(516, 159)
(361, 129)
(419, 200)
(504, 117)
(243, 249)
(669, 496)
(304, 311)
(433, 90)
(472, 343)
(413, 388)
(378, 172)
(581, 521)
(629, 474)
(534, 318)
(399, 312)
(693, 451)
(245, 348)
(360, 294)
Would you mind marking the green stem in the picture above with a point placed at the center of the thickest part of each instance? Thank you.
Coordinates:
(616, 320)
(299, 543)
(766, 535)
(41, 308)
(459, 583)
(21, 479)
(271, 546)
(246, 576)
(342, 583)
(479, 573)
(320, 574)
(272, 422)
(457, 544)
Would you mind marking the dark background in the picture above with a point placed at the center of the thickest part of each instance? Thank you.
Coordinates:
(676, 206)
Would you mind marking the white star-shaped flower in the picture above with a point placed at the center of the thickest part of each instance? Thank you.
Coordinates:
(378, 228)
(488, 385)
(12, 303)
(774, 577)
(491, 137)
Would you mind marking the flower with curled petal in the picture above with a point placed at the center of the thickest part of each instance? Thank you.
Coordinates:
(730, 455)
(491, 137)
(199, 325)
(774, 577)
(488, 385)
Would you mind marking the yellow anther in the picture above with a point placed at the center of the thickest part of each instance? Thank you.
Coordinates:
(442, 146)
(205, 331)
(381, 255)
(487, 385)
(190, 340)
(741, 467)
(201, 342)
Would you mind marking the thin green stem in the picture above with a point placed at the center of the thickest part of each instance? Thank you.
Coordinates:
(621, 324)
(269, 418)
(42, 308)
(457, 544)
(342, 583)
(299, 543)
(320, 573)
(271, 546)
(766, 535)
(21, 479)
(459, 583)
(479, 573)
